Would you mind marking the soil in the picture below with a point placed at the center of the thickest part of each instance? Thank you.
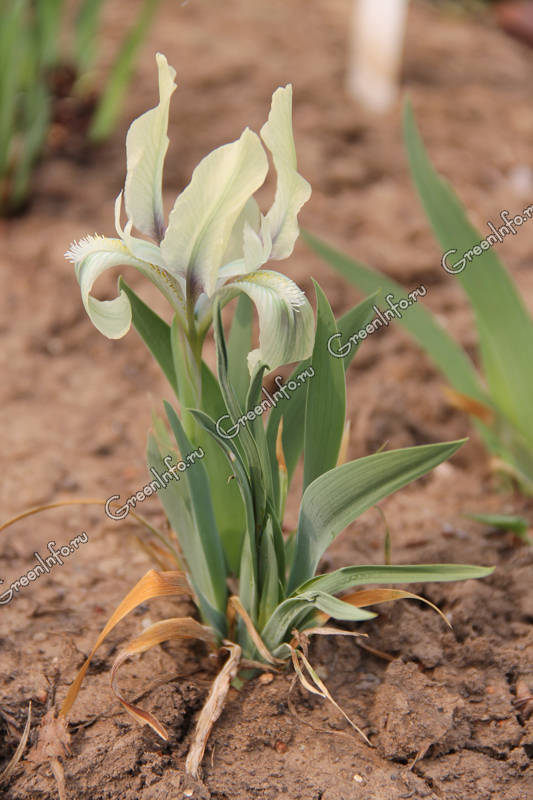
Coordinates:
(441, 707)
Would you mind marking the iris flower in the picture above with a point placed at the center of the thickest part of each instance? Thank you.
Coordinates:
(216, 239)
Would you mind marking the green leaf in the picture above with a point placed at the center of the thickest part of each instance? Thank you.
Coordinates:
(253, 404)
(239, 345)
(269, 574)
(227, 502)
(227, 505)
(110, 104)
(505, 328)
(176, 500)
(507, 522)
(245, 439)
(11, 66)
(353, 321)
(338, 497)
(48, 17)
(86, 34)
(420, 323)
(288, 615)
(348, 577)
(295, 613)
(248, 574)
(207, 554)
(325, 408)
(293, 410)
(279, 545)
(189, 377)
(154, 331)
(36, 121)
(337, 608)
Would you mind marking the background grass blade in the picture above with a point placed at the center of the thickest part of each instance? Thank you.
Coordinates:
(421, 324)
(111, 101)
(505, 327)
(86, 33)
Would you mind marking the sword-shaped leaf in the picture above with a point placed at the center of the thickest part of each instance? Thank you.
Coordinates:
(338, 497)
(505, 327)
(325, 408)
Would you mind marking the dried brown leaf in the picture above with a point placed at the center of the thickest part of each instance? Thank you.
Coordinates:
(235, 603)
(369, 597)
(212, 709)
(17, 755)
(153, 584)
(464, 402)
(163, 631)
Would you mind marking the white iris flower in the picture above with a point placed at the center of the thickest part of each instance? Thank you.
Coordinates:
(216, 238)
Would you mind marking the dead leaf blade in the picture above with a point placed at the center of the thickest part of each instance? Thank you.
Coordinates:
(163, 631)
(368, 597)
(17, 755)
(212, 709)
(153, 584)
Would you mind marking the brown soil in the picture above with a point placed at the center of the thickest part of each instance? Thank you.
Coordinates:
(442, 714)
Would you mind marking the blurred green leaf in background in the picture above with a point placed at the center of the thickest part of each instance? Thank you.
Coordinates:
(46, 52)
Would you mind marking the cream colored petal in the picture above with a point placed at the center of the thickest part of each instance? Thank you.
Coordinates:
(94, 255)
(205, 213)
(292, 189)
(286, 322)
(146, 147)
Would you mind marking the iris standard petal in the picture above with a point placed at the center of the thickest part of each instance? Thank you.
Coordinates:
(292, 189)
(204, 215)
(146, 147)
(249, 216)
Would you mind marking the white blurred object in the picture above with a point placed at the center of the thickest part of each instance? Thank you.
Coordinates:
(376, 51)
(520, 178)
